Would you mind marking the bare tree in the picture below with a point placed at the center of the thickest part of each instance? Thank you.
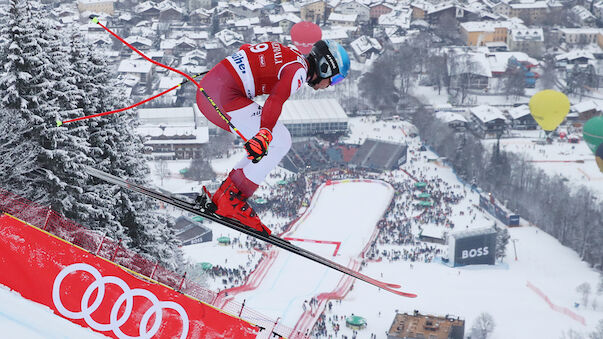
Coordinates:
(447, 27)
(584, 289)
(548, 77)
(437, 71)
(162, 169)
(483, 326)
(598, 332)
(571, 334)
(200, 170)
(502, 240)
(515, 79)
(462, 73)
(378, 84)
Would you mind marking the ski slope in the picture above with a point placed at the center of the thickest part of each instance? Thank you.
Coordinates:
(24, 319)
(333, 216)
(501, 290)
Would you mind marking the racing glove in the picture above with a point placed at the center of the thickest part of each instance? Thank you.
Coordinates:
(257, 147)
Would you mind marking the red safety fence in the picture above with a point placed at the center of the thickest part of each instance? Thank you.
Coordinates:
(102, 246)
(556, 308)
(100, 295)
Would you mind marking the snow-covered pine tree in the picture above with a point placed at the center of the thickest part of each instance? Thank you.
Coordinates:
(36, 92)
(100, 195)
(118, 150)
(17, 99)
(502, 240)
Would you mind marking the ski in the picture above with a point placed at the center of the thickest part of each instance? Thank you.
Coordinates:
(203, 209)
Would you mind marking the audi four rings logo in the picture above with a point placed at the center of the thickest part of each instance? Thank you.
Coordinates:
(127, 296)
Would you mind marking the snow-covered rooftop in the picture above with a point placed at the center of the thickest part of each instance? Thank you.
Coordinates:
(276, 18)
(229, 37)
(519, 111)
(316, 110)
(472, 232)
(167, 116)
(94, 1)
(469, 62)
(169, 82)
(172, 43)
(138, 39)
(490, 26)
(449, 117)
(172, 121)
(583, 13)
(259, 30)
(498, 60)
(586, 106)
(530, 5)
(400, 17)
(247, 22)
(486, 113)
(134, 66)
(364, 44)
(289, 7)
(350, 18)
(582, 30)
(335, 33)
(575, 54)
(145, 6)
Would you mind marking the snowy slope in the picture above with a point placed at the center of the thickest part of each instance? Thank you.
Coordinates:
(331, 218)
(24, 319)
(499, 290)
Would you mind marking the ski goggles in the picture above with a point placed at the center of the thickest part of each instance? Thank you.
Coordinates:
(335, 79)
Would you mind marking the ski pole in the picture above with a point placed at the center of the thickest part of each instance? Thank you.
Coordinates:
(95, 20)
(59, 123)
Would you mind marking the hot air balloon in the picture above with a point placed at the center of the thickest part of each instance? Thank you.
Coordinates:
(549, 108)
(599, 157)
(304, 34)
(593, 136)
(593, 132)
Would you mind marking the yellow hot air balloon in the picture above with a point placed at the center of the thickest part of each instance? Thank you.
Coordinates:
(549, 108)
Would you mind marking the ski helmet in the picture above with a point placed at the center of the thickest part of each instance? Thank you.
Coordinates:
(328, 60)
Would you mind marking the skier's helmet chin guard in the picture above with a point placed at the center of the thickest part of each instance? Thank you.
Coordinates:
(328, 60)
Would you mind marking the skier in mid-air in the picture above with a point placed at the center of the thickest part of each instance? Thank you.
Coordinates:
(265, 68)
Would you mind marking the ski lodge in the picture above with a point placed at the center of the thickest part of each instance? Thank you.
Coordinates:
(173, 132)
(407, 326)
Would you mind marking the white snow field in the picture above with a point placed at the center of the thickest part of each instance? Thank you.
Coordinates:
(25, 319)
(333, 216)
(501, 290)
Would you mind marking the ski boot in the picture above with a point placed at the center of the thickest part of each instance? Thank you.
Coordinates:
(231, 203)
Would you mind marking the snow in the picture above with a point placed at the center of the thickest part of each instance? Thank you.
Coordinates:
(21, 318)
(501, 290)
(572, 161)
(134, 66)
(487, 113)
(294, 279)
